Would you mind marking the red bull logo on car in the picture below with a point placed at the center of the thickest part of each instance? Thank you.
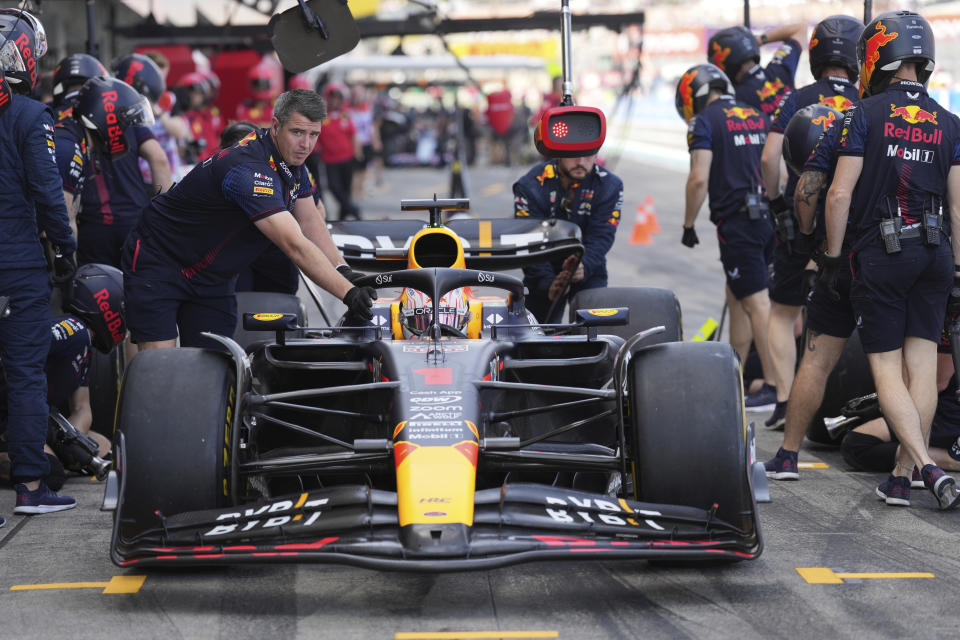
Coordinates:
(913, 114)
(872, 53)
(840, 103)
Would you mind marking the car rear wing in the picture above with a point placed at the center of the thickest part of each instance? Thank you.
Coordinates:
(488, 244)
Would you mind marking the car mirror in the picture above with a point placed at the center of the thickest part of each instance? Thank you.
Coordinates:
(617, 316)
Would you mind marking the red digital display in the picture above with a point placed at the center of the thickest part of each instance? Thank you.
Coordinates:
(570, 132)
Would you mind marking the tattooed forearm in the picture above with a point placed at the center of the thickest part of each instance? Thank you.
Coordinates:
(806, 197)
(811, 339)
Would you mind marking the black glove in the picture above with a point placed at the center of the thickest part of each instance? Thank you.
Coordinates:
(359, 301)
(803, 244)
(829, 274)
(64, 267)
(350, 274)
(689, 238)
(953, 302)
(779, 204)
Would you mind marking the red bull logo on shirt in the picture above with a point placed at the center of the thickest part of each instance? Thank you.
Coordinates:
(770, 89)
(913, 114)
(740, 112)
(838, 102)
(743, 119)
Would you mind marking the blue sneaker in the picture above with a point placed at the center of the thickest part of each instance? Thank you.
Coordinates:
(895, 491)
(778, 419)
(763, 400)
(2, 521)
(782, 466)
(916, 480)
(43, 500)
(943, 487)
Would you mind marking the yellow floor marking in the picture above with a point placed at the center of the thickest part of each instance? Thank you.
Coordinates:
(459, 635)
(493, 189)
(812, 465)
(823, 575)
(116, 585)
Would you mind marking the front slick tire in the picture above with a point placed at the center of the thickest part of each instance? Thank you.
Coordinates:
(176, 415)
(687, 433)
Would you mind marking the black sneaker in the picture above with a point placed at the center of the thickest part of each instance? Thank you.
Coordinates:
(895, 491)
(763, 400)
(2, 521)
(42, 500)
(777, 421)
(943, 487)
(782, 466)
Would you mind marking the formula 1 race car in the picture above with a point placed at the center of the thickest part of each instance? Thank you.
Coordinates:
(419, 442)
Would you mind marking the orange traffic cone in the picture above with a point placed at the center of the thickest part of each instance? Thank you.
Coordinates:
(654, 226)
(646, 223)
(641, 227)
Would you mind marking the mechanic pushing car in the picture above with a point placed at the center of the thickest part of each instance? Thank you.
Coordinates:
(579, 190)
(736, 51)
(901, 256)
(833, 62)
(830, 319)
(30, 201)
(725, 139)
(181, 260)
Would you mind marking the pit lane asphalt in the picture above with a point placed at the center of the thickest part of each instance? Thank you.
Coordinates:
(830, 519)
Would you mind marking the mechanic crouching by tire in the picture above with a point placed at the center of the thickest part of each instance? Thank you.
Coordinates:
(872, 446)
(901, 253)
(181, 261)
(31, 201)
(579, 190)
(93, 305)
